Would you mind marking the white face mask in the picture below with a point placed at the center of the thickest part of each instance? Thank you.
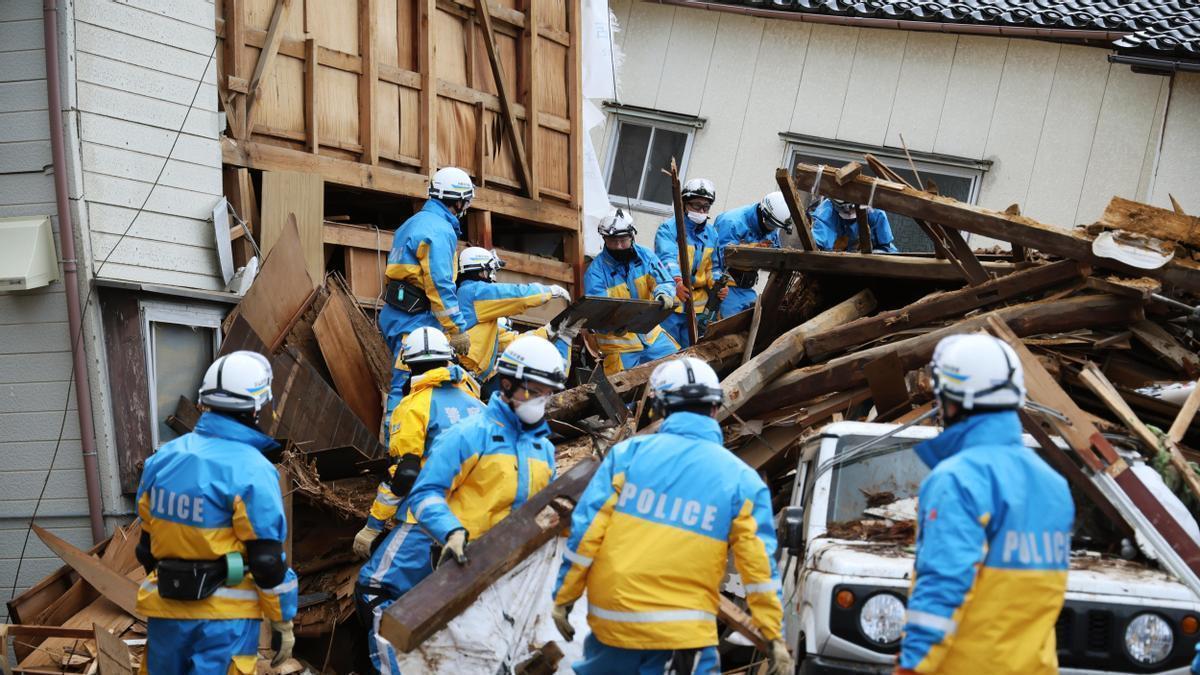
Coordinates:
(697, 218)
(531, 411)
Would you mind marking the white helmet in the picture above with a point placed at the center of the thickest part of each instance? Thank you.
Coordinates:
(684, 381)
(426, 345)
(534, 359)
(616, 224)
(846, 210)
(478, 259)
(451, 183)
(699, 187)
(979, 372)
(237, 382)
(775, 213)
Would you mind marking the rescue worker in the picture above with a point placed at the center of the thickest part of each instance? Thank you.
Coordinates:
(994, 526)
(835, 226)
(750, 224)
(651, 535)
(625, 269)
(213, 528)
(421, 270)
(698, 197)
(477, 472)
(441, 395)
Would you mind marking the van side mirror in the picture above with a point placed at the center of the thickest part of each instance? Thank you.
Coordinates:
(791, 529)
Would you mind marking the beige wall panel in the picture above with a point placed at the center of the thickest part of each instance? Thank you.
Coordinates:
(450, 47)
(872, 86)
(258, 16)
(1016, 126)
(410, 121)
(336, 24)
(621, 10)
(499, 160)
(1150, 156)
(553, 156)
(726, 96)
(551, 73)
(970, 96)
(385, 26)
(687, 59)
(551, 13)
(920, 90)
(337, 105)
(387, 116)
(768, 111)
(406, 34)
(281, 104)
(822, 93)
(1062, 157)
(456, 134)
(644, 50)
(1119, 146)
(1179, 160)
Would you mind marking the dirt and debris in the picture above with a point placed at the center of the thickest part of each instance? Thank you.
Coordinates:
(879, 531)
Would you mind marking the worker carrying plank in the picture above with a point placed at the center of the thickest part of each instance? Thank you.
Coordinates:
(441, 394)
(421, 270)
(477, 472)
(994, 526)
(698, 196)
(835, 227)
(213, 528)
(484, 302)
(750, 224)
(651, 534)
(625, 269)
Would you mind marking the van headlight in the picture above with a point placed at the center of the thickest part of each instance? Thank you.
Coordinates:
(1148, 639)
(882, 618)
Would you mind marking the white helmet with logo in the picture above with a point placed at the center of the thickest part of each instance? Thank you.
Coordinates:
(979, 372)
(845, 210)
(775, 213)
(238, 382)
(699, 187)
(533, 359)
(616, 224)
(478, 259)
(426, 345)
(682, 382)
(451, 184)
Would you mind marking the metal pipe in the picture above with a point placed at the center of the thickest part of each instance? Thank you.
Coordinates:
(900, 24)
(1151, 63)
(66, 235)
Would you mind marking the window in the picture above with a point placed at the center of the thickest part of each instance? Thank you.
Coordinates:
(180, 343)
(643, 145)
(956, 177)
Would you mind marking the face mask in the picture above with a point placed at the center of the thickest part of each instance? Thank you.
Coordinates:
(622, 254)
(532, 411)
(697, 218)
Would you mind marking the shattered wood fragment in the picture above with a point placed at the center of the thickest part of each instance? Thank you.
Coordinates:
(852, 264)
(847, 172)
(1141, 287)
(800, 218)
(1187, 412)
(280, 291)
(348, 364)
(374, 347)
(112, 655)
(1162, 343)
(112, 585)
(885, 379)
(1131, 216)
(732, 615)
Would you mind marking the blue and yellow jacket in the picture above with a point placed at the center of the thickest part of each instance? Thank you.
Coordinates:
(438, 399)
(653, 530)
(425, 254)
(480, 470)
(706, 266)
(203, 495)
(741, 226)
(483, 304)
(644, 278)
(828, 227)
(993, 548)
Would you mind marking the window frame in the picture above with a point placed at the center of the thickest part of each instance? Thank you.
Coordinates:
(655, 120)
(153, 311)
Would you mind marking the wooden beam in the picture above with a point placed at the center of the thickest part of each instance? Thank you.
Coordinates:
(800, 217)
(427, 60)
(1186, 413)
(117, 588)
(235, 45)
(530, 83)
(311, 124)
(1141, 288)
(506, 100)
(265, 59)
(940, 306)
(951, 213)
(729, 613)
(348, 364)
(1162, 343)
(1152, 221)
(574, 108)
(367, 81)
(847, 172)
(852, 264)
(864, 230)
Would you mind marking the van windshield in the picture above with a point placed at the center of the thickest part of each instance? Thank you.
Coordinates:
(888, 473)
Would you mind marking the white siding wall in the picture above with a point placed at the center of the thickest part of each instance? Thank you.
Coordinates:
(138, 63)
(1065, 130)
(35, 359)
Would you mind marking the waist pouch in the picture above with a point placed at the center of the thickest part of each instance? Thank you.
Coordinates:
(190, 579)
(405, 297)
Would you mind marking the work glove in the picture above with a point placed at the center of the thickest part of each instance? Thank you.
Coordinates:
(723, 293)
(562, 621)
(287, 640)
(681, 290)
(668, 301)
(780, 659)
(461, 342)
(568, 330)
(456, 545)
(363, 541)
(557, 291)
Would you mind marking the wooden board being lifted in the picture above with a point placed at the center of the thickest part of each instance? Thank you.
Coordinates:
(855, 264)
(614, 315)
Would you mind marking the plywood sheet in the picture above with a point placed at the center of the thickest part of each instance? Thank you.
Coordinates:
(337, 106)
(281, 103)
(387, 116)
(551, 13)
(258, 16)
(450, 47)
(364, 273)
(456, 134)
(551, 73)
(280, 290)
(553, 157)
(410, 121)
(336, 24)
(406, 34)
(347, 363)
(386, 45)
(302, 195)
(506, 48)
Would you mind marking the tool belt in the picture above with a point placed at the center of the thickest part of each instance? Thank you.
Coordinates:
(405, 297)
(197, 579)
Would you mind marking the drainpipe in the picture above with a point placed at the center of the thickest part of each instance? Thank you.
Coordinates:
(66, 235)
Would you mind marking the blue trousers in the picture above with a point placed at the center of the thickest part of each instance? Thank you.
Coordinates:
(398, 564)
(600, 659)
(200, 646)
(677, 326)
(739, 300)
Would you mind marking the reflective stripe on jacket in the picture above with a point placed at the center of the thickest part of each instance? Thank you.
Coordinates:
(204, 495)
(478, 471)
(652, 532)
(993, 547)
(643, 278)
(424, 253)
(706, 268)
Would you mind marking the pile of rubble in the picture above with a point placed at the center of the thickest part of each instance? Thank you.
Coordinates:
(1101, 317)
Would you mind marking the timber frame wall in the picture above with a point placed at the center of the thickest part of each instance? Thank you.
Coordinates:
(378, 94)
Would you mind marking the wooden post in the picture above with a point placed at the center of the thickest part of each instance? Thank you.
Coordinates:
(531, 85)
(575, 108)
(506, 100)
(235, 44)
(479, 228)
(427, 135)
(800, 217)
(310, 94)
(1186, 413)
(864, 230)
(685, 258)
(367, 80)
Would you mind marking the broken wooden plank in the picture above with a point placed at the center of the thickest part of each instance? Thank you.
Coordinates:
(948, 212)
(885, 379)
(864, 230)
(347, 364)
(852, 264)
(112, 654)
(768, 447)
(1141, 287)
(1186, 413)
(800, 219)
(940, 306)
(379, 358)
(847, 172)
(1152, 221)
(282, 288)
(1162, 343)
(119, 589)
(729, 613)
